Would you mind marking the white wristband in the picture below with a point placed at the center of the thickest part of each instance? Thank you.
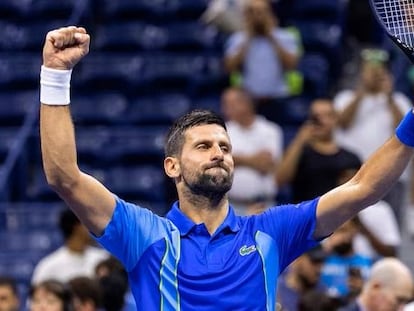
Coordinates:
(55, 86)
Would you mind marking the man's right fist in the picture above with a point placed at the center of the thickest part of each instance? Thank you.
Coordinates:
(65, 47)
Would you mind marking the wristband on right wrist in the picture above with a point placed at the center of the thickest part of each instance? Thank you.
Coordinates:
(55, 86)
(405, 130)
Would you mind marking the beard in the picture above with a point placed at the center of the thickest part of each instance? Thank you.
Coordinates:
(213, 187)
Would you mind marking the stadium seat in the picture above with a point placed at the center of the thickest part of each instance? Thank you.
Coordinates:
(19, 71)
(31, 216)
(316, 73)
(183, 36)
(145, 183)
(135, 36)
(159, 109)
(152, 10)
(99, 108)
(296, 110)
(136, 145)
(7, 141)
(93, 145)
(38, 188)
(109, 72)
(326, 10)
(36, 240)
(19, 265)
(13, 9)
(14, 106)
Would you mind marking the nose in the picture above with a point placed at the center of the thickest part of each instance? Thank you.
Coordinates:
(216, 153)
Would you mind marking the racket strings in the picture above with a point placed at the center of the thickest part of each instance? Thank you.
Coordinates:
(398, 18)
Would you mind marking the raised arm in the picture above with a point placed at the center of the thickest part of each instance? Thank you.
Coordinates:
(89, 199)
(371, 182)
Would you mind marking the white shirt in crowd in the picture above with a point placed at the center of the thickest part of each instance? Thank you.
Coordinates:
(380, 220)
(373, 123)
(63, 264)
(262, 135)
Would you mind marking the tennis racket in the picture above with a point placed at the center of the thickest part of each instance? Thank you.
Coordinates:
(397, 18)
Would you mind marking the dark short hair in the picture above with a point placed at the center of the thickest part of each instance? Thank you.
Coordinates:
(85, 288)
(175, 137)
(6, 281)
(58, 289)
(67, 223)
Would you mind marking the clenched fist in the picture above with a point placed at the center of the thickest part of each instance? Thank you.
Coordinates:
(65, 47)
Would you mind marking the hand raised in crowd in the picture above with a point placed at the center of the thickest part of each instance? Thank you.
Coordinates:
(65, 47)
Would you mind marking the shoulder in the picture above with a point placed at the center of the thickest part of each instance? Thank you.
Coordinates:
(342, 98)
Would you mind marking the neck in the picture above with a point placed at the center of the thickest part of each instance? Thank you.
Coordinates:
(247, 121)
(324, 145)
(203, 209)
(294, 282)
(75, 245)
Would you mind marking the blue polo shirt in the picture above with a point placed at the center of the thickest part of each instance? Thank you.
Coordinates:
(175, 264)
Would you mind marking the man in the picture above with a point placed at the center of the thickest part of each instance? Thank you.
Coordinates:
(9, 296)
(344, 270)
(87, 294)
(389, 288)
(301, 277)
(255, 159)
(314, 153)
(262, 52)
(368, 115)
(201, 256)
(77, 257)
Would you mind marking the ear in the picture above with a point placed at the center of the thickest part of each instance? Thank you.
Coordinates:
(172, 167)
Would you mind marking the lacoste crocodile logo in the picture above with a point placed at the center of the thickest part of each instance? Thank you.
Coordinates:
(244, 250)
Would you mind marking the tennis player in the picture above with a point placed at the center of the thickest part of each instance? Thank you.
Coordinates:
(200, 256)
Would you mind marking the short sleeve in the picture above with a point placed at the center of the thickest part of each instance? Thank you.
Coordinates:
(292, 227)
(343, 99)
(234, 43)
(402, 102)
(131, 231)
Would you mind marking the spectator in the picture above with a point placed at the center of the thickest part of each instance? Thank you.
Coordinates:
(75, 258)
(368, 115)
(9, 295)
(343, 267)
(262, 52)
(314, 154)
(87, 294)
(301, 277)
(110, 271)
(316, 301)
(389, 287)
(255, 158)
(372, 240)
(50, 295)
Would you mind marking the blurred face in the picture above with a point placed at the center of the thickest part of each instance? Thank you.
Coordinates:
(235, 107)
(206, 163)
(257, 12)
(8, 300)
(373, 76)
(391, 298)
(308, 271)
(44, 300)
(343, 238)
(323, 118)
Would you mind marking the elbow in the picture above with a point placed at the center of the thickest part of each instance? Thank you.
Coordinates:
(62, 181)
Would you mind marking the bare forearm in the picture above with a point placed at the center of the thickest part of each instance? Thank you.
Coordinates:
(289, 60)
(235, 62)
(58, 146)
(347, 116)
(290, 161)
(395, 111)
(369, 185)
